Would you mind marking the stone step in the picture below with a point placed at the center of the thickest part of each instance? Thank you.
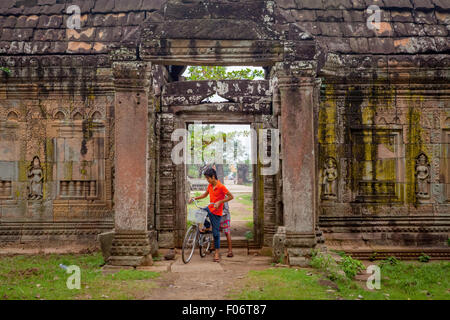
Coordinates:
(238, 242)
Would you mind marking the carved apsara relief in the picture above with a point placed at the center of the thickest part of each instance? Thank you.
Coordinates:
(36, 179)
(330, 176)
(422, 178)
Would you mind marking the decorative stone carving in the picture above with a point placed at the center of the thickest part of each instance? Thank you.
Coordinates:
(330, 175)
(279, 246)
(78, 189)
(36, 178)
(5, 189)
(130, 248)
(422, 177)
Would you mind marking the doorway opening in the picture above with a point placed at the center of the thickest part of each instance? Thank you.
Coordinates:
(228, 149)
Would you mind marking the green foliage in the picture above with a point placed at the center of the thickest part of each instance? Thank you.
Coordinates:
(320, 261)
(249, 235)
(373, 256)
(351, 266)
(5, 70)
(448, 241)
(393, 261)
(424, 258)
(340, 253)
(192, 171)
(221, 73)
(189, 224)
(157, 257)
(326, 264)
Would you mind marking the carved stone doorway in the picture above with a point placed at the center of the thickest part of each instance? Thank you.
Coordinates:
(145, 185)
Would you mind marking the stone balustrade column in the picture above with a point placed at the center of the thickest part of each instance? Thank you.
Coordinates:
(131, 245)
(297, 83)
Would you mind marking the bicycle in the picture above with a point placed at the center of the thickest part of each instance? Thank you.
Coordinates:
(194, 237)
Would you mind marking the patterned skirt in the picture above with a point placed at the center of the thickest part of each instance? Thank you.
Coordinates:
(225, 222)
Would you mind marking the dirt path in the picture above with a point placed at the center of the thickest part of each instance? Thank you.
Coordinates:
(201, 278)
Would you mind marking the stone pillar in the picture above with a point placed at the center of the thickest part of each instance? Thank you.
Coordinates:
(131, 245)
(297, 88)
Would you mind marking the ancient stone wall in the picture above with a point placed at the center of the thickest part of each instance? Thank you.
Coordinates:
(383, 127)
(384, 153)
(56, 149)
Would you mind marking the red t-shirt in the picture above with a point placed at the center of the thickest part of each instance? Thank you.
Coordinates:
(216, 194)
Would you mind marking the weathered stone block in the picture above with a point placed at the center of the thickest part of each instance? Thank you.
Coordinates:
(152, 4)
(125, 6)
(102, 6)
(309, 4)
(279, 247)
(106, 240)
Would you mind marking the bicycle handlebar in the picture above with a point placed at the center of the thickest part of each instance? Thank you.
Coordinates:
(196, 203)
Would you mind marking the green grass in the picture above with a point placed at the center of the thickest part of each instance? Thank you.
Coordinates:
(282, 284)
(399, 281)
(40, 277)
(410, 280)
(245, 199)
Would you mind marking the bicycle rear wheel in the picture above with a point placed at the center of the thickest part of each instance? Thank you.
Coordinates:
(205, 244)
(189, 243)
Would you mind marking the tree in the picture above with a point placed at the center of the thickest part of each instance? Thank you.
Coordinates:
(221, 73)
(209, 139)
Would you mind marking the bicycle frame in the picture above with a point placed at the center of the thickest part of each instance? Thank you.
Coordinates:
(198, 238)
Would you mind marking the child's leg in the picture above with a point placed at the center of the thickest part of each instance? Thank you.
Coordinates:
(215, 221)
(230, 248)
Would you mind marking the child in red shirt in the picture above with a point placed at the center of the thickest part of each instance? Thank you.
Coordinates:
(218, 195)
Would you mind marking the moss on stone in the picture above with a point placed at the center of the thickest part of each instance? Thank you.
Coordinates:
(414, 147)
(327, 125)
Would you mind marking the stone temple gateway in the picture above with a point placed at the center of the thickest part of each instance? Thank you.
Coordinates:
(87, 116)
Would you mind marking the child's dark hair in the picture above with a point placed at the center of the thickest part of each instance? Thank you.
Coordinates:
(210, 172)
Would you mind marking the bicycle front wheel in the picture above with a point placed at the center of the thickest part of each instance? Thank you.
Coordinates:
(189, 243)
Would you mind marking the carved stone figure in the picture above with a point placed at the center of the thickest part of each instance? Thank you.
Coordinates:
(36, 177)
(422, 177)
(330, 174)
